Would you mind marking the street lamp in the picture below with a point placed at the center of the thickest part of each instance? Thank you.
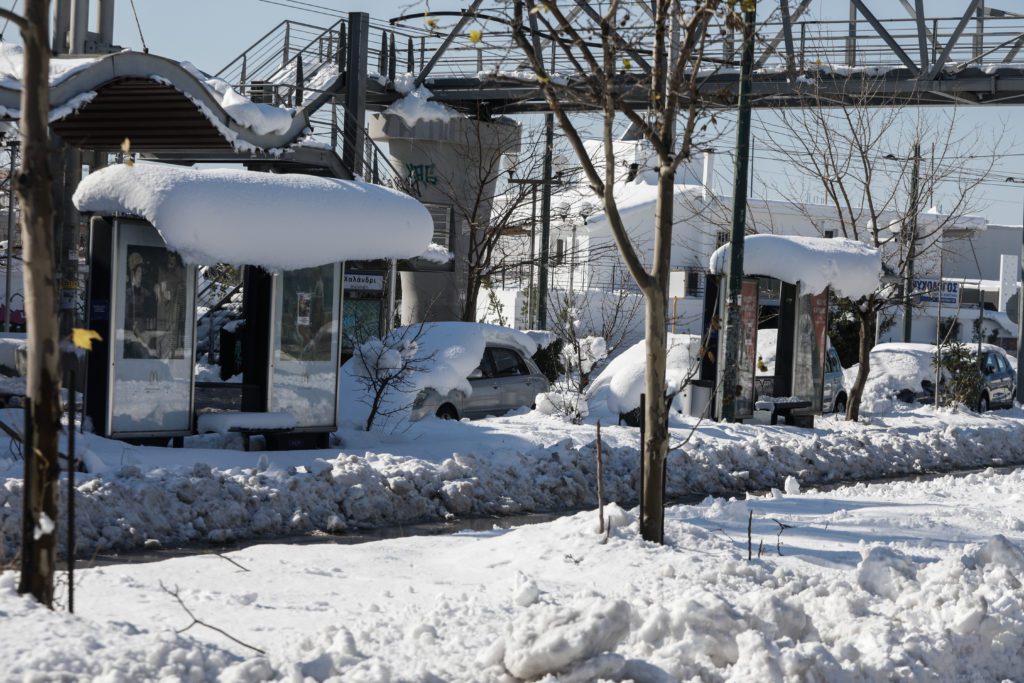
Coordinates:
(1020, 306)
(910, 238)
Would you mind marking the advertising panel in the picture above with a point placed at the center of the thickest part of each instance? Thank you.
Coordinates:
(153, 329)
(306, 331)
(811, 330)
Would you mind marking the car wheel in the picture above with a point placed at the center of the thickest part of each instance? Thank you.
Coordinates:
(840, 405)
(447, 412)
(983, 403)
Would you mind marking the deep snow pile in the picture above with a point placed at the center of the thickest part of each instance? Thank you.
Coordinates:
(895, 366)
(617, 389)
(236, 216)
(850, 267)
(861, 584)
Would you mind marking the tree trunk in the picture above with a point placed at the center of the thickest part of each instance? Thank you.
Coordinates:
(656, 334)
(868, 319)
(655, 419)
(34, 184)
(472, 296)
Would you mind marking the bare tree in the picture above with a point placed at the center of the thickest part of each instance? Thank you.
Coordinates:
(870, 163)
(597, 48)
(34, 184)
(386, 369)
(591, 325)
(514, 172)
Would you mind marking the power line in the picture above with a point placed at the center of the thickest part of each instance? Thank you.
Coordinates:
(8, 20)
(138, 25)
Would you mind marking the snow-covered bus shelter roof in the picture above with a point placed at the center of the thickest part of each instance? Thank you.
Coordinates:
(286, 221)
(853, 269)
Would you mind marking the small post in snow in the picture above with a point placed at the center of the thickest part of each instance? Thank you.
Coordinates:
(600, 481)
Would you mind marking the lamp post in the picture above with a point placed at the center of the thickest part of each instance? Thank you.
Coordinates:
(1020, 306)
(909, 239)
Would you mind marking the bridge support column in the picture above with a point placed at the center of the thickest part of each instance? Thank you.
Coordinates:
(455, 165)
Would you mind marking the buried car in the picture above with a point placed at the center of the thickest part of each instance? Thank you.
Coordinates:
(504, 380)
(906, 372)
(448, 369)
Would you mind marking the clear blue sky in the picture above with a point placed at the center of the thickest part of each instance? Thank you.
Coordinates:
(210, 33)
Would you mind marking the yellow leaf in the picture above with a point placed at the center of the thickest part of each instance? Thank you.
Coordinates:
(431, 23)
(749, 5)
(126, 145)
(542, 79)
(627, 64)
(475, 35)
(83, 338)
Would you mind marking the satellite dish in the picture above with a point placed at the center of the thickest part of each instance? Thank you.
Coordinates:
(1012, 308)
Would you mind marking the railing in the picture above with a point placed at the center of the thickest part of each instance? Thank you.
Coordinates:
(992, 39)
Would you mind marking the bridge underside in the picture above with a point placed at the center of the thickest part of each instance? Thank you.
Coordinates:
(893, 87)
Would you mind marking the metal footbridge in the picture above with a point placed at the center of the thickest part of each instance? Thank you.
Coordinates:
(328, 77)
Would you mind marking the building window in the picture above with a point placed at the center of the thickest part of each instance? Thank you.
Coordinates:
(829, 234)
(693, 287)
(722, 238)
(559, 258)
(442, 217)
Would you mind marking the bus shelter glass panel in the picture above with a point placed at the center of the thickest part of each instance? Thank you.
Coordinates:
(809, 348)
(304, 364)
(153, 331)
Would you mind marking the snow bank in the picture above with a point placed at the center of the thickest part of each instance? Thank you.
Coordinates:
(621, 382)
(417, 106)
(851, 268)
(283, 221)
(442, 355)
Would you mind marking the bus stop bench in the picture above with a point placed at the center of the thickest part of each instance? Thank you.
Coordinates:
(778, 408)
(246, 424)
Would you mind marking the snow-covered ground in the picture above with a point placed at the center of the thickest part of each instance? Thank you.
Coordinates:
(897, 581)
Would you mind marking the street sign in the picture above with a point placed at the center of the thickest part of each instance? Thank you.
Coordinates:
(930, 290)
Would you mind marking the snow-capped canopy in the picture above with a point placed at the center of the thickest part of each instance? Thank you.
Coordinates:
(12, 58)
(853, 269)
(283, 221)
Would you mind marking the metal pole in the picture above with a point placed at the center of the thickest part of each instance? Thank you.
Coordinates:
(1020, 317)
(70, 550)
(10, 237)
(545, 224)
(739, 222)
(911, 239)
(533, 259)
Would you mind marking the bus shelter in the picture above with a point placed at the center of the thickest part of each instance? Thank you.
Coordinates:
(152, 227)
(808, 268)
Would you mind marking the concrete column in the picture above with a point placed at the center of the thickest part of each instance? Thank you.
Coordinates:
(105, 22)
(61, 26)
(79, 25)
(447, 159)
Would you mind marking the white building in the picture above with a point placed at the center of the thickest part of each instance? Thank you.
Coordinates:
(584, 258)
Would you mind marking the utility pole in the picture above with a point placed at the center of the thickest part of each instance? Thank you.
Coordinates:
(732, 327)
(910, 239)
(545, 223)
(1020, 307)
